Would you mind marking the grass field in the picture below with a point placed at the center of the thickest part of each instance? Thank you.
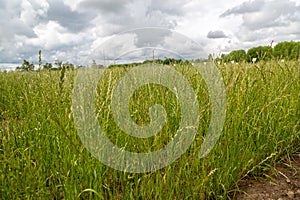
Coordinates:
(42, 157)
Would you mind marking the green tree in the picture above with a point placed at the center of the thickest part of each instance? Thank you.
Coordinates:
(296, 51)
(224, 58)
(237, 56)
(261, 53)
(47, 66)
(287, 50)
(282, 50)
(26, 66)
(59, 65)
(68, 66)
(171, 61)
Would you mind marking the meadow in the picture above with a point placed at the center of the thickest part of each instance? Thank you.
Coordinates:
(42, 156)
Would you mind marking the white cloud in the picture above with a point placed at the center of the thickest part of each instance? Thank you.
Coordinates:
(52, 35)
(73, 4)
(32, 10)
(264, 21)
(71, 29)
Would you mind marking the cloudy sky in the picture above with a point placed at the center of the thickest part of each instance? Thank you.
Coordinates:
(74, 30)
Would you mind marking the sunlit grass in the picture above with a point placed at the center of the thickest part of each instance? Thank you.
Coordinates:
(42, 156)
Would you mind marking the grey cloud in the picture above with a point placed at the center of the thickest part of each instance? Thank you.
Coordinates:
(112, 16)
(150, 37)
(80, 25)
(265, 19)
(246, 7)
(216, 34)
(263, 14)
(14, 26)
(19, 29)
(120, 6)
(105, 6)
(121, 15)
(169, 42)
(140, 43)
(11, 22)
(168, 6)
(11, 25)
(2, 3)
(72, 20)
(275, 13)
(130, 42)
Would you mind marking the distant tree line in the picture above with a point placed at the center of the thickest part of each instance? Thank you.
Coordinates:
(26, 66)
(58, 65)
(283, 50)
(166, 61)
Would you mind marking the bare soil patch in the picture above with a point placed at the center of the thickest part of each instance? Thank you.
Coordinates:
(281, 183)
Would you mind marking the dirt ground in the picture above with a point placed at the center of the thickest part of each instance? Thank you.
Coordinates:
(282, 183)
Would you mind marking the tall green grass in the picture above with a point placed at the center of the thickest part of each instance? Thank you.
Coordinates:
(42, 157)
